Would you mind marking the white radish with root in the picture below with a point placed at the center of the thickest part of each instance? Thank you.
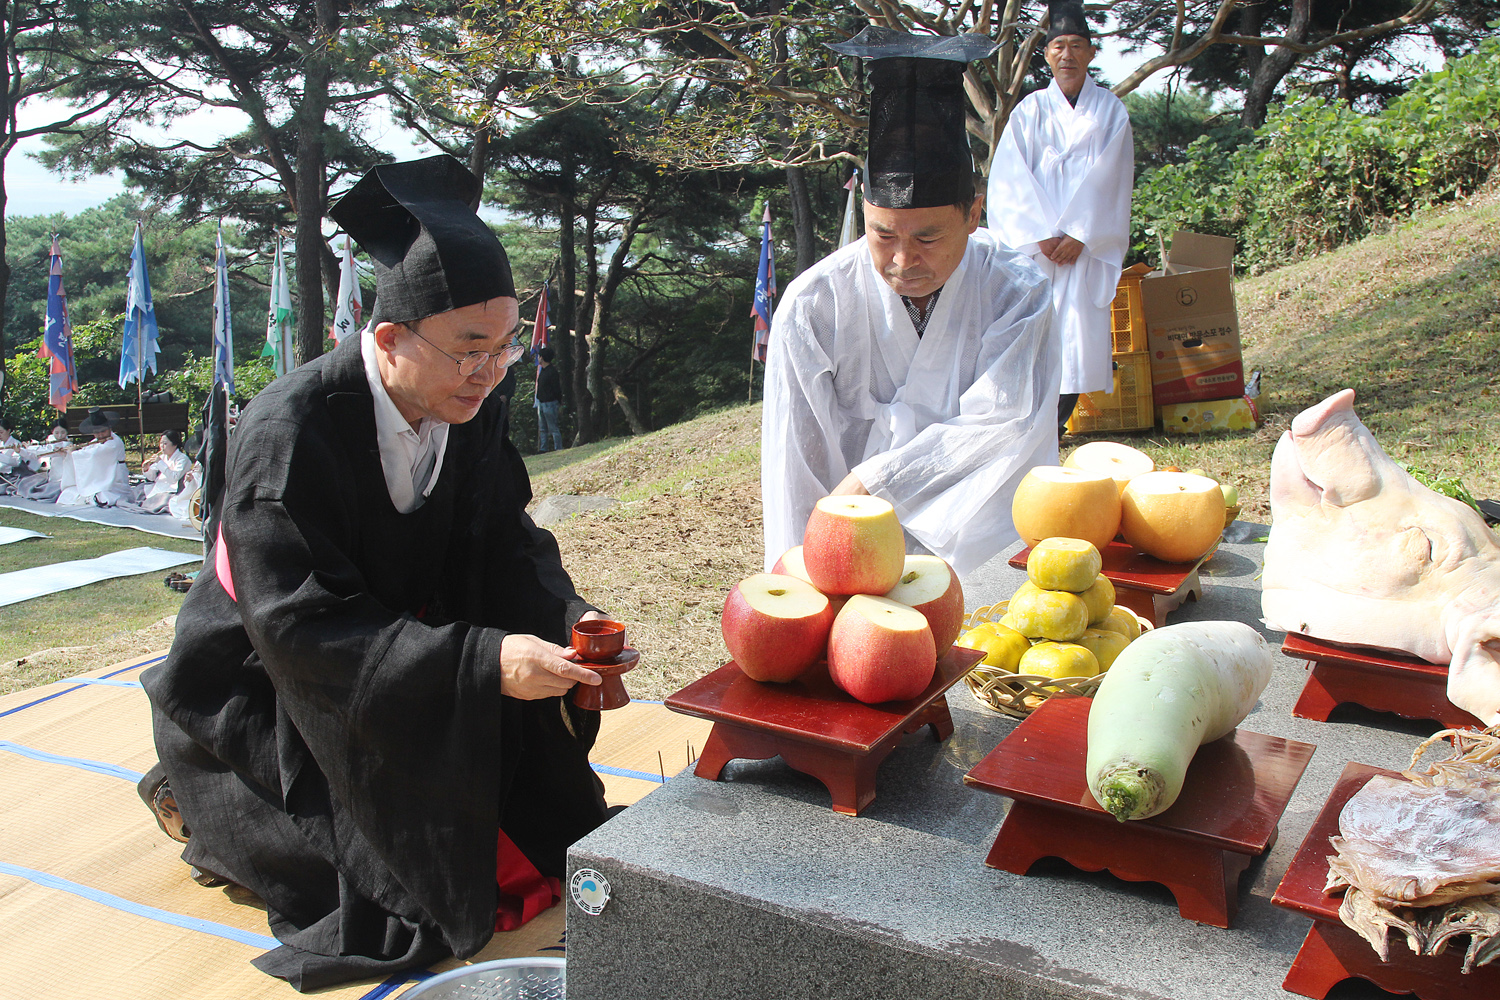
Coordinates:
(1171, 691)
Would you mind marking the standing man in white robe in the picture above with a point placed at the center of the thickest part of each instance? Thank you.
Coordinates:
(915, 364)
(1059, 191)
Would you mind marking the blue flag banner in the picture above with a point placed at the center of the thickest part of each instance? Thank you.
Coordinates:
(765, 291)
(57, 339)
(223, 336)
(138, 353)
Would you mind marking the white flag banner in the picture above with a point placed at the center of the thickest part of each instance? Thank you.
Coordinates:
(223, 334)
(347, 310)
(849, 233)
(279, 316)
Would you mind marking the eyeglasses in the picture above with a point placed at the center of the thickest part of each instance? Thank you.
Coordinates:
(472, 362)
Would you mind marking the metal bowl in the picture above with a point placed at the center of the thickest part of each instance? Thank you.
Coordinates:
(504, 979)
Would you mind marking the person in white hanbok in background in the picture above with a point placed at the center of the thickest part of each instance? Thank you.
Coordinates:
(164, 477)
(1059, 191)
(53, 464)
(11, 462)
(100, 475)
(915, 364)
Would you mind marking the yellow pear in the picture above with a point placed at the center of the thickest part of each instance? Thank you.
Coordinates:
(1059, 659)
(1002, 646)
(1123, 621)
(1070, 564)
(1048, 614)
(1100, 599)
(1104, 644)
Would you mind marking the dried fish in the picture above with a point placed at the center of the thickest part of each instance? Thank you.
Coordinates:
(1421, 854)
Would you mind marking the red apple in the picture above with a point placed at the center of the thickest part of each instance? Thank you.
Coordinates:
(791, 564)
(776, 626)
(929, 585)
(853, 545)
(879, 650)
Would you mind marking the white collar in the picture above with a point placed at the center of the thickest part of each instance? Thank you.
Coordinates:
(402, 450)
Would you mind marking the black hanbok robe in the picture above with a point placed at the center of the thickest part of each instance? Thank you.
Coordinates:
(335, 737)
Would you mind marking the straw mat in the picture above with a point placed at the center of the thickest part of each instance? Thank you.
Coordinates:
(94, 899)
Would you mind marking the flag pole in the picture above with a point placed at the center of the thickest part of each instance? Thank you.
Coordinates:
(140, 405)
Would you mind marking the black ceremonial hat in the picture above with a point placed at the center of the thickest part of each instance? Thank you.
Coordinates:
(1067, 19)
(98, 420)
(919, 150)
(432, 253)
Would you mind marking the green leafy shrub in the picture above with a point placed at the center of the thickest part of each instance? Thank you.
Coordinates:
(1318, 174)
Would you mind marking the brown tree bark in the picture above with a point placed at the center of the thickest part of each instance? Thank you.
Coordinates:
(1275, 65)
(313, 255)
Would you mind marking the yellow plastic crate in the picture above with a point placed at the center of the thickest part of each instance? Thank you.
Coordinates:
(1127, 316)
(1128, 408)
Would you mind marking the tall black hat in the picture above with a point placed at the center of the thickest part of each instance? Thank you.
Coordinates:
(919, 150)
(98, 420)
(1067, 18)
(432, 253)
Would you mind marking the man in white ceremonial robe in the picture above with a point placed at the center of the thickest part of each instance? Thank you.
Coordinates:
(100, 475)
(1059, 191)
(915, 364)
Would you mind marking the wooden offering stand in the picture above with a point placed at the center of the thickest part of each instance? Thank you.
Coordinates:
(1146, 585)
(601, 644)
(1332, 952)
(1236, 790)
(813, 726)
(1381, 682)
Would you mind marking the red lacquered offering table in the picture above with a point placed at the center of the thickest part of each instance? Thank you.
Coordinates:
(1332, 952)
(1149, 587)
(1236, 790)
(1381, 682)
(813, 726)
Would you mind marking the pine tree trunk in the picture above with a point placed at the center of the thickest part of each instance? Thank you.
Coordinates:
(636, 427)
(1274, 66)
(312, 190)
(4, 285)
(803, 223)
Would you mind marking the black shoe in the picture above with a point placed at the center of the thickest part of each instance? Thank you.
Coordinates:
(206, 878)
(157, 795)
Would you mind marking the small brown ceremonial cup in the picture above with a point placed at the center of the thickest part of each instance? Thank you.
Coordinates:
(601, 644)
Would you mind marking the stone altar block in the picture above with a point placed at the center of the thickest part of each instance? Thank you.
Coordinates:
(752, 889)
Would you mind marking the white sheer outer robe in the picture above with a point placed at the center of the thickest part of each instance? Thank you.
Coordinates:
(99, 474)
(1063, 169)
(943, 427)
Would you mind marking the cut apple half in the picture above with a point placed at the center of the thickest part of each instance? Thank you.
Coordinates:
(853, 545)
(929, 586)
(776, 626)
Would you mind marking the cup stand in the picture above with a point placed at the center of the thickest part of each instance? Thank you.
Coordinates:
(611, 694)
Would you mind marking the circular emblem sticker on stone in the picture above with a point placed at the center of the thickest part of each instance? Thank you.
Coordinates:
(590, 890)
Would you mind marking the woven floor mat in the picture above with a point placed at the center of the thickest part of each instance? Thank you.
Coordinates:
(96, 902)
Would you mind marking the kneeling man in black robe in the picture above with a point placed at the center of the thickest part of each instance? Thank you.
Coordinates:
(362, 718)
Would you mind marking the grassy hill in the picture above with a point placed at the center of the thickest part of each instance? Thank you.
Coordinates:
(1409, 318)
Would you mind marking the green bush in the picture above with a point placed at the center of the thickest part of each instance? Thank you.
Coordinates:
(1319, 174)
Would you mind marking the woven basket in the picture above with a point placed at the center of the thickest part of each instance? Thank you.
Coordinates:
(1018, 695)
(1230, 513)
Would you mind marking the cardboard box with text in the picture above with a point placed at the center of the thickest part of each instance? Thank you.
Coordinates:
(1192, 326)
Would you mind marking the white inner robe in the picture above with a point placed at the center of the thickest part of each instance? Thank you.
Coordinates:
(943, 427)
(1064, 169)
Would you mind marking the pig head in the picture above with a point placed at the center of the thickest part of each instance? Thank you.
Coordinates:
(1361, 553)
